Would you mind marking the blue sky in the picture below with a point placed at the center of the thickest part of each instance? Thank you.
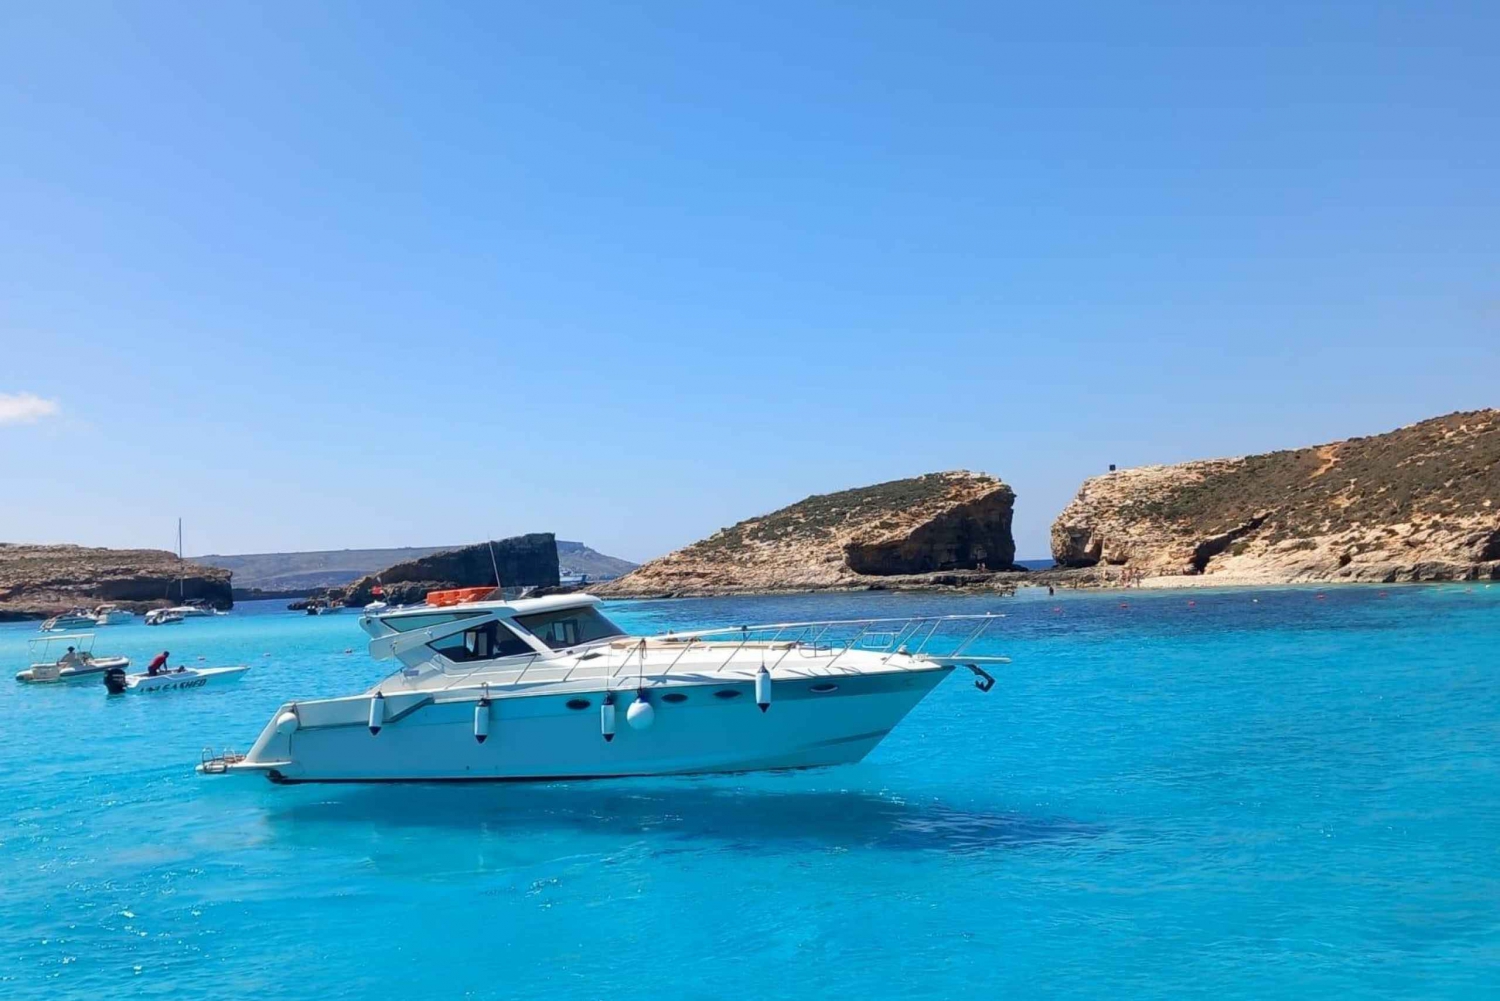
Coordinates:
(321, 276)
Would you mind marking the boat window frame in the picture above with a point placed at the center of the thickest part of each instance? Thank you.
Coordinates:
(500, 625)
(589, 611)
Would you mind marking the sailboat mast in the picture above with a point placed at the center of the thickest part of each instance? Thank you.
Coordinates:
(181, 567)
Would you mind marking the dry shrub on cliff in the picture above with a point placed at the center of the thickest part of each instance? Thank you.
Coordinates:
(1448, 465)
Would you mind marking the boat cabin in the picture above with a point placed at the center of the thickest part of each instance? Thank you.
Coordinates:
(478, 631)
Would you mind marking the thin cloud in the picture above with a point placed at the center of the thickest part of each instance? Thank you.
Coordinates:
(25, 408)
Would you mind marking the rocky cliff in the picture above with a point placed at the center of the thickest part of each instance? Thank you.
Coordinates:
(938, 529)
(306, 572)
(1419, 503)
(525, 559)
(40, 581)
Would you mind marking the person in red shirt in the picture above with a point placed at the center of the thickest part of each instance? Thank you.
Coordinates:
(158, 663)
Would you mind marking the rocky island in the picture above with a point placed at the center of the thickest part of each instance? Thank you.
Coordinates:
(525, 560)
(1418, 503)
(941, 529)
(37, 582)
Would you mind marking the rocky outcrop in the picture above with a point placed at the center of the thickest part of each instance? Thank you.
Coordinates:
(1419, 503)
(523, 560)
(942, 529)
(41, 581)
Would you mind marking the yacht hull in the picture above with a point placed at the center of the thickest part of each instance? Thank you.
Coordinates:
(531, 737)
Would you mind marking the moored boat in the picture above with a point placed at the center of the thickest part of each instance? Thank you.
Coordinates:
(112, 615)
(78, 618)
(550, 688)
(164, 617)
(194, 611)
(78, 661)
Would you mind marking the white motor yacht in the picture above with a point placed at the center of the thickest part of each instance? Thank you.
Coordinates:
(113, 615)
(78, 618)
(549, 688)
(194, 611)
(164, 617)
(76, 661)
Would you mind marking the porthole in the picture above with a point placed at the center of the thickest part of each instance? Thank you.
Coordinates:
(674, 697)
(727, 693)
(579, 703)
(824, 687)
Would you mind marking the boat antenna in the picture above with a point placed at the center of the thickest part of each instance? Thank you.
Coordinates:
(181, 568)
(496, 567)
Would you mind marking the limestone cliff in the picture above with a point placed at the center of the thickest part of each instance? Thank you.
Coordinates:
(525, 559)
(40, 581)
(1419, 503)
(942, 528)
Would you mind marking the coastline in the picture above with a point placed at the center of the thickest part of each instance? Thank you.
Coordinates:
(1059, 578)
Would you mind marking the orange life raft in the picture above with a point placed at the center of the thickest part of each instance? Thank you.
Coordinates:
(441, 599)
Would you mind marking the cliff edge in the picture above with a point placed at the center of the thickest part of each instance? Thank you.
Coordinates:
(40, 581)
(1418, 503)
(938, 529)
(522, 560)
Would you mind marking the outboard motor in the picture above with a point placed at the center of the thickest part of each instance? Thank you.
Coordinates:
(114, 680)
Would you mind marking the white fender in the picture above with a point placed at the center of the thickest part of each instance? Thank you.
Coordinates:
(607, 717)
(763, 688)
(641, 714)
(377, 713)
(286, 722)
(482, 720)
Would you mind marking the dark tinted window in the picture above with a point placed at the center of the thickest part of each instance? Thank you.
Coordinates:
(570, 626)
(487, 642)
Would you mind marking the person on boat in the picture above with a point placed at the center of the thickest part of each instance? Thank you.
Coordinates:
(158, 663)
(70, 658)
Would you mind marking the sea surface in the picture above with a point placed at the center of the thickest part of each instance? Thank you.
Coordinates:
(1227, 794)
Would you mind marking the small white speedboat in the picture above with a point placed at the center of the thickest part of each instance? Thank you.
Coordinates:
(78, 662)
(164, 617)
(181, 679)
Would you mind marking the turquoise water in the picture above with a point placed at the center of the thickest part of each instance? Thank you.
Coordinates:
(1249, 795)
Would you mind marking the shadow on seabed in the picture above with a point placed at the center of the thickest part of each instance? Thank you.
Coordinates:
(681, 809)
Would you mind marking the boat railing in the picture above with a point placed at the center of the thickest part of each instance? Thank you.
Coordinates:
(945, 637)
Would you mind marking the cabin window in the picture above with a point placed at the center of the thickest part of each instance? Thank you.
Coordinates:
(674, 697)
(727, 693)
(486, 642)
(570, 627)
(578, 703)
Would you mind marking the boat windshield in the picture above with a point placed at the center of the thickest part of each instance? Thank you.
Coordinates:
(570, 627)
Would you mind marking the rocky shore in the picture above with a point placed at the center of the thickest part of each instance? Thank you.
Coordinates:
(1420, 503)
(37, 582)
(942, 530)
